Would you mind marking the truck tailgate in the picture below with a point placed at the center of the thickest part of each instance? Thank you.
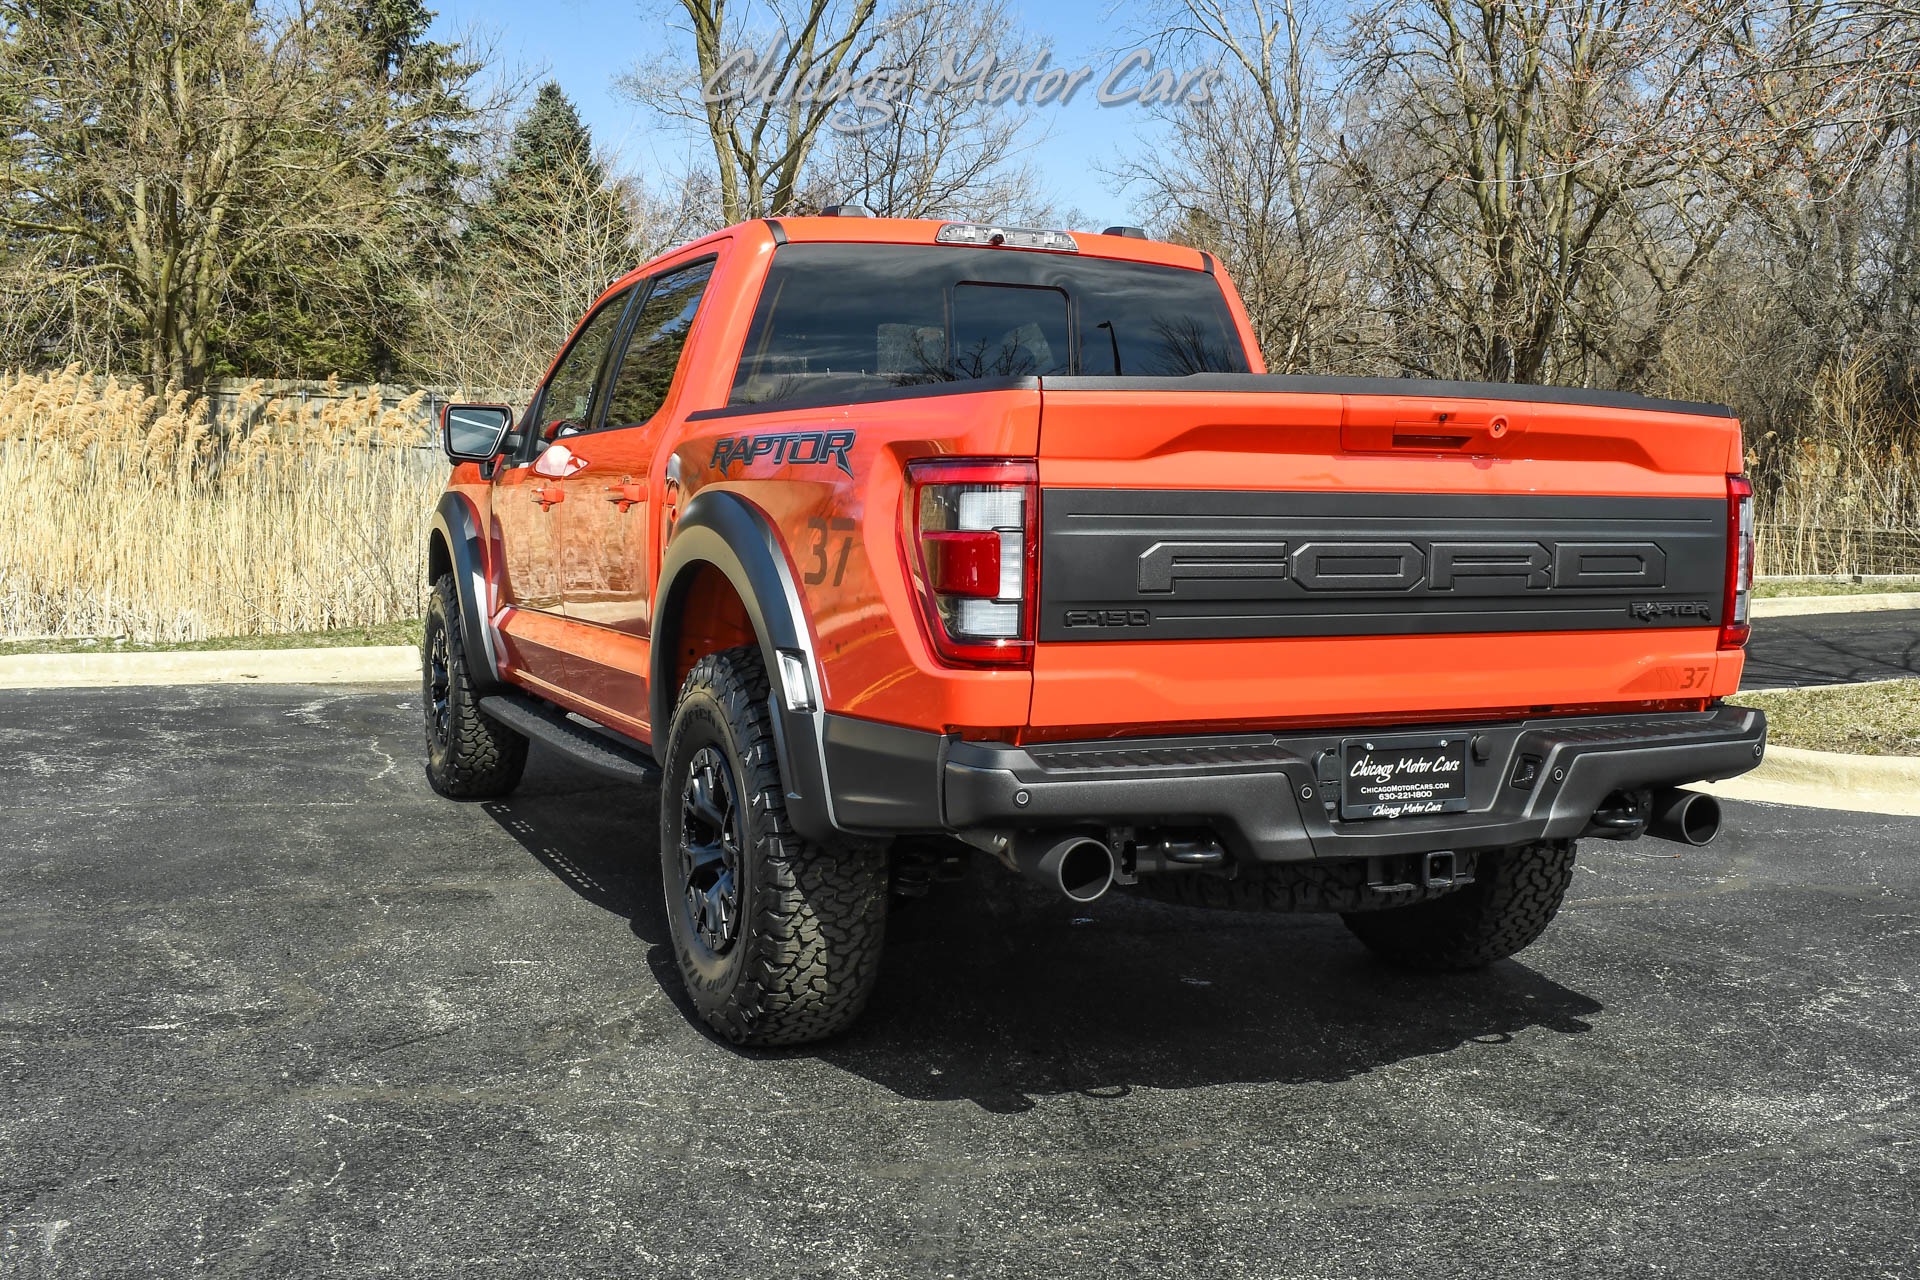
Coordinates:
(1253, 552)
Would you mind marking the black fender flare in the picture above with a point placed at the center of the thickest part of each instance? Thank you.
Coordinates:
(721, 529)
(456, 528)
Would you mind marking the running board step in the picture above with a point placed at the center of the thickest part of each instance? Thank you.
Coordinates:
(585, 746)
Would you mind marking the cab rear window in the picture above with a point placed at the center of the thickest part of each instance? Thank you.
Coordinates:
(847, 319)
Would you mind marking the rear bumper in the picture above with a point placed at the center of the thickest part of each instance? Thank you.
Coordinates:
(1274, 798)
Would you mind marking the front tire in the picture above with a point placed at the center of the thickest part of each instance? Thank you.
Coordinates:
(470, 755)
(777, 939)
(1514, 894)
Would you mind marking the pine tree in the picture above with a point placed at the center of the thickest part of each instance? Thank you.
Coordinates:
(345, 303)
(552, 233)
(549, 182)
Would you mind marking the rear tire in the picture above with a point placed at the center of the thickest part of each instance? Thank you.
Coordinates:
(778, 939)
(1514, 894)
(470, 755)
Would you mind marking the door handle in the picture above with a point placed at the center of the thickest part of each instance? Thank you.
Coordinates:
(547, 495)
(626, 493)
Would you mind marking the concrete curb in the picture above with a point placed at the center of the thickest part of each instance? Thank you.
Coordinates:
(1802, 606)
(1828, 780)
(368, 664)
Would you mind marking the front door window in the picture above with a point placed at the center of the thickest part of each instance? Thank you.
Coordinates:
(609, 558)
(529, 522)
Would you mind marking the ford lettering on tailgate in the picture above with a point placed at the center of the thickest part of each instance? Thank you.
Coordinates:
(1466, 568)
(1240, 564)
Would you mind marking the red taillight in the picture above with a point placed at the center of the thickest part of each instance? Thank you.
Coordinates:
(1734, 627)
(972, 527)
(963, 563)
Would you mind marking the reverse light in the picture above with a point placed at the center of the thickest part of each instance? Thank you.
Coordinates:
(1734, 624)
(973, 530)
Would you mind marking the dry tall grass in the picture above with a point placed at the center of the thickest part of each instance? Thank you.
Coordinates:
(1843, 494)
(135, 515)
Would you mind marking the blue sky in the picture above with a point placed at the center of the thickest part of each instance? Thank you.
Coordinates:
(585, 44)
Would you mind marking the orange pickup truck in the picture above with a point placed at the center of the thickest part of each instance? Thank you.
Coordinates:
(876, 543)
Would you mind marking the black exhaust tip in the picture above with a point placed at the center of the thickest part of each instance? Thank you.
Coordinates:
(1086, 870)
(1079, 866)
(1687, 817)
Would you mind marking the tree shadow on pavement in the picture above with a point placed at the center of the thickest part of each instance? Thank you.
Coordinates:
(994, 991)
(1832, 649)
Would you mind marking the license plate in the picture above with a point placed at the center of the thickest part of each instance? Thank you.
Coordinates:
(1399, 777)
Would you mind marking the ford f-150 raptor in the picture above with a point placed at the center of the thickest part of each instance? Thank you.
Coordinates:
(875, 540)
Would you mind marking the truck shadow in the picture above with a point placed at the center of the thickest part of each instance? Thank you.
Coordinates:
(996, 992)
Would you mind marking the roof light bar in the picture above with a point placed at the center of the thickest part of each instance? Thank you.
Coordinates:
(1006, 237)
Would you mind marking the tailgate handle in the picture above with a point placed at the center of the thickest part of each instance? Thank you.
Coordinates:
(1443, 431)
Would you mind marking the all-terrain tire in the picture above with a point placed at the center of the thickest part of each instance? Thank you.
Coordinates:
(778, 939)
(1515, 892)
(470, 755)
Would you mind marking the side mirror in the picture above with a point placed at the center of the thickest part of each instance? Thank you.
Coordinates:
(474, 432)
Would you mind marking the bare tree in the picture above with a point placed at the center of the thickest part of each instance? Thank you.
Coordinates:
(494, 320)
(1501, 155)
(213, 138)
(763, 81)
(1248, 174)
(932, 150)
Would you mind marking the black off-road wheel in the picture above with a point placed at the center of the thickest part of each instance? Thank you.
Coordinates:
(470, 755)
(778, 939)
(1514, 894)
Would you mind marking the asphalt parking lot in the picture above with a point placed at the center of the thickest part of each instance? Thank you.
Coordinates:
(269, 1007)
(1834, 648)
